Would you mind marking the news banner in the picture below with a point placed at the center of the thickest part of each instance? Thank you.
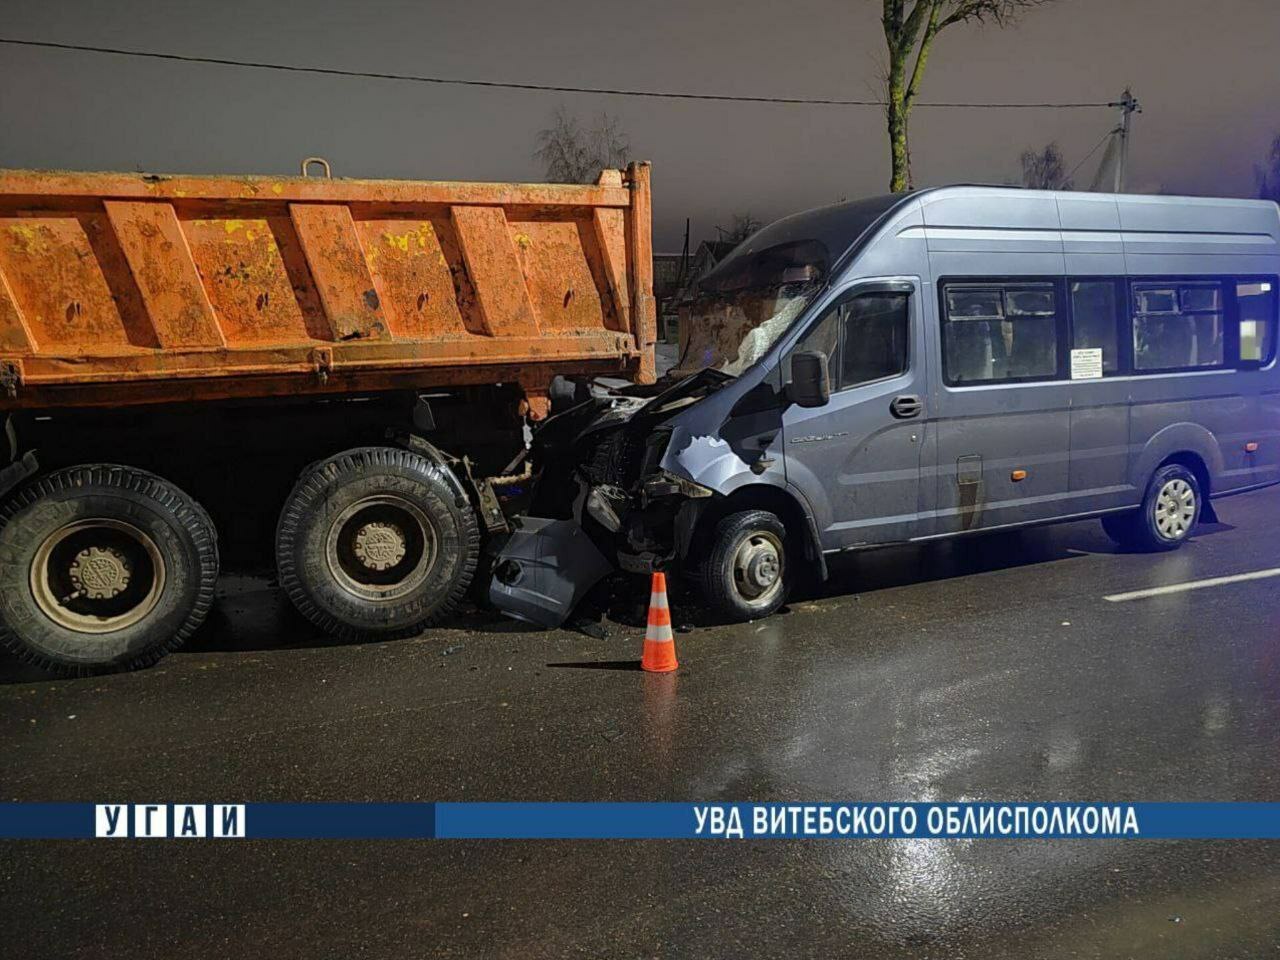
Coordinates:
(641, 821)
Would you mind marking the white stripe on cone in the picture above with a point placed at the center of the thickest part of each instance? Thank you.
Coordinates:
(658, 633)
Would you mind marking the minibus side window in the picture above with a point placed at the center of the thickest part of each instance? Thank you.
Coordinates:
(874, 339)
(1094, 318)
(864, 337)
(1178, 326)
(995, 332)
(1256, 307)
(824, 338)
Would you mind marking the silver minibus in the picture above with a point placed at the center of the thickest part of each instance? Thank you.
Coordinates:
(918, 366)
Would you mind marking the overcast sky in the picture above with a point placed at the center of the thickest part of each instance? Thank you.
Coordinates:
(1206, 73)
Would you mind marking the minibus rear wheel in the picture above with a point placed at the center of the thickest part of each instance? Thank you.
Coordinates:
(746, 573)
(1168, 514)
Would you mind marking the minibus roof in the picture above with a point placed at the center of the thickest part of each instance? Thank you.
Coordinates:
(835, 232)
(831, 231)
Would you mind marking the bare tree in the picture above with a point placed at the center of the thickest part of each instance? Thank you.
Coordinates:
(1268, 174)
(743, 226)
(1045, 169)
(572, 153)
(910, 29)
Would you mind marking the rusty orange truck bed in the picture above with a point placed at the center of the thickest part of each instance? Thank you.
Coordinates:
(123, 288)
(334, 377)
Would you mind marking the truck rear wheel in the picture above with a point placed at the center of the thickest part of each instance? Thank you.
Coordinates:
(376, 543)
(103, 566)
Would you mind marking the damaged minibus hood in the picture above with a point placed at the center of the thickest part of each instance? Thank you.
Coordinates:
(597, 468)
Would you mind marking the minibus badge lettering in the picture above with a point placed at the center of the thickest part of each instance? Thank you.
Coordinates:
(820, 438)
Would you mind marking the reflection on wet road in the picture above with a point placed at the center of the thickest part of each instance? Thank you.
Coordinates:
(990, 668)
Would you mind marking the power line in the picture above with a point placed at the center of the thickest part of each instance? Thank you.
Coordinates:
(511, 85)
(1105, 137)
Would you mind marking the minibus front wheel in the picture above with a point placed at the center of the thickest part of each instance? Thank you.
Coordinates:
(1169, 512)
(747, 572)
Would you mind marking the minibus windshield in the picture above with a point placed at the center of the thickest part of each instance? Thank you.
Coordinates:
(752, 296)
(729, 332)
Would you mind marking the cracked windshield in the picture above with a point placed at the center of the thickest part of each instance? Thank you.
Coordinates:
(747, 303)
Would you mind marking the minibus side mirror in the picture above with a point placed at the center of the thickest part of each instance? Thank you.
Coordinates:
(810, 384)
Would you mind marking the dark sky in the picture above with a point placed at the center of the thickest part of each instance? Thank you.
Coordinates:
(1207, 73)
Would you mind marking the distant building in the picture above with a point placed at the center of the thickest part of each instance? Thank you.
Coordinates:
(675, 281)
(708, 254)
(668, 276)
(684, 289)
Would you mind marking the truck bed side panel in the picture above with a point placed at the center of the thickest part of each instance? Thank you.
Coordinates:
(125, 289)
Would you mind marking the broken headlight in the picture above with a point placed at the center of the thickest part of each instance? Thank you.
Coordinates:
(664, 484)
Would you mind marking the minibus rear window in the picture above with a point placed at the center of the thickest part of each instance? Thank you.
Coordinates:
(1257, 309)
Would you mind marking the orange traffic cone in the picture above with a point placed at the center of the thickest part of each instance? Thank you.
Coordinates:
(659, 644)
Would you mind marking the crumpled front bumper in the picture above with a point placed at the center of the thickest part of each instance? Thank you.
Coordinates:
(544, 569)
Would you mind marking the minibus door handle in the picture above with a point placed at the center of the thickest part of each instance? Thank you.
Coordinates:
(906, 407)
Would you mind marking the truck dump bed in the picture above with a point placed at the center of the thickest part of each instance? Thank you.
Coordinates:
(122, 288)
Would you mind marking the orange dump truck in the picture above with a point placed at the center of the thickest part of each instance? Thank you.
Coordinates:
(189, 365)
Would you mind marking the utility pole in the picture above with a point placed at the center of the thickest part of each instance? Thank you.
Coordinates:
(1128, 107)
(1115, 159)
(684, 253)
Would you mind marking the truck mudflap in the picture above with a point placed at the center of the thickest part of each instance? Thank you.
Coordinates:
(544, 569)
(14, 474)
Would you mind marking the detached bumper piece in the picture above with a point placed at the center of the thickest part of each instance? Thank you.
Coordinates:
(544, 569)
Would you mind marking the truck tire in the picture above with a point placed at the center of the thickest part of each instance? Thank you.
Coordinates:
(376, 543)
(103, 567)
(745, 574)
(1169, 512)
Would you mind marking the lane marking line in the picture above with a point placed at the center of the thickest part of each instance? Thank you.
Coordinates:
(1192, 585)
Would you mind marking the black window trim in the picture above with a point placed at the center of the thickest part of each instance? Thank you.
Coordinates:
(1125, 316)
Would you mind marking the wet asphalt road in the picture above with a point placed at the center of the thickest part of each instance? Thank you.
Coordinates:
(985, 669)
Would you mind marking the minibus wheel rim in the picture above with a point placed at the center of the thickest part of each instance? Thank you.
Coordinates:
(97, 576)
(757, 568)
(1175, 509)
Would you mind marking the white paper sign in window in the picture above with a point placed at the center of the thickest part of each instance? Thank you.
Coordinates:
(1086, 364)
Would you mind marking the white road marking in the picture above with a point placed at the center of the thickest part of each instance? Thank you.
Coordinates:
(1193, 585)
